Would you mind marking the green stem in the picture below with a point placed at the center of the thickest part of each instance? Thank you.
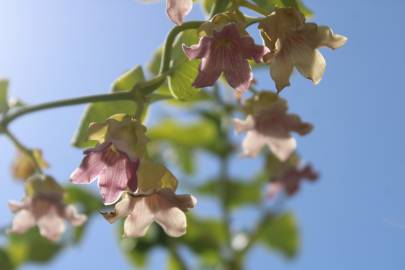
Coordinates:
(255, 8)
(22, 148)
(66, 102)
(219, 6)
(171, 37)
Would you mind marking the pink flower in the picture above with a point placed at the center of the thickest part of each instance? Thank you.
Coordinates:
(113, 168)
(290, 181)
(163, 206)
(178, 9)
(226, 51)
(271, 126)
(48, 212)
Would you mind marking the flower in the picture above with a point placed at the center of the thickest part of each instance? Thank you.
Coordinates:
(225, 51)
(155, 200)
(269, 124)
(290, 180)
(44, 208)
(164, 207)
(177, 9)
(293, 43)
(115, 160)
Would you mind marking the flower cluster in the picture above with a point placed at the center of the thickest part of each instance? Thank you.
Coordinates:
(141, 190)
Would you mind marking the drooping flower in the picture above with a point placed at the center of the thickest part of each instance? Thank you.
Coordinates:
(44, 207)
(226, 51)
(115, 160)
(293, 43)
(290, 180)
(24, 166)
(269, 124)
(177, 9)
(155, 201)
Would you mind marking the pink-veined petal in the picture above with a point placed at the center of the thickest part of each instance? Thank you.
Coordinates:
(113, 180)
(91, 166)
(198, 50)
(244, 125)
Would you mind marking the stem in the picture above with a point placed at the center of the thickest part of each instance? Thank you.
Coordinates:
(172, 247)
(66, 102)
(255, 8)
(219, 6)
(22, 148)
(171, 37)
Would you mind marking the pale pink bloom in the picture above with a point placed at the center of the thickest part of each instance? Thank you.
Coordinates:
(48, 212)
(163, 207)
(272, 127)
(178, 9)
(290, 181)
(226, 51)
(113, 168)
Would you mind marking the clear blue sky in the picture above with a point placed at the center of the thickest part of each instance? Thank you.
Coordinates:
(354, 218)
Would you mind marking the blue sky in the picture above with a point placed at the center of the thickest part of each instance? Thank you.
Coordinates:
(354, 218)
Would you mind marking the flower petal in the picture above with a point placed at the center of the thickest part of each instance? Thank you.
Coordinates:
(244, 125)
(168, 215)
(90, 167)
(209, 71)
(73, 216)
(51, 225)
(198, 50)
(281, 68)
(253, 143)
(309, 62)
(178, 9)
(22, 222)
(326, 37)
(137, 223)
(113, 180)
(237, 72)
(282, 147)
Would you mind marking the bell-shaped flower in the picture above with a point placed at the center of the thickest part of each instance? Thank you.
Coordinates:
(268, 123)
(115, 160)
(155, 201)
(44, 207)
(290, 181)
(177, 9)
(293, 43)
(227, 51)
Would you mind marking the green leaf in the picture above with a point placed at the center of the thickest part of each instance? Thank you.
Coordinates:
(240, 193)
(196, 135)
(3, 96)
(281, 234)
(181, 79)
(32, 247)
(99, 112)
(5, 260)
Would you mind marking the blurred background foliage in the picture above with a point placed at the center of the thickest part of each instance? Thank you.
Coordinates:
(205, 129)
